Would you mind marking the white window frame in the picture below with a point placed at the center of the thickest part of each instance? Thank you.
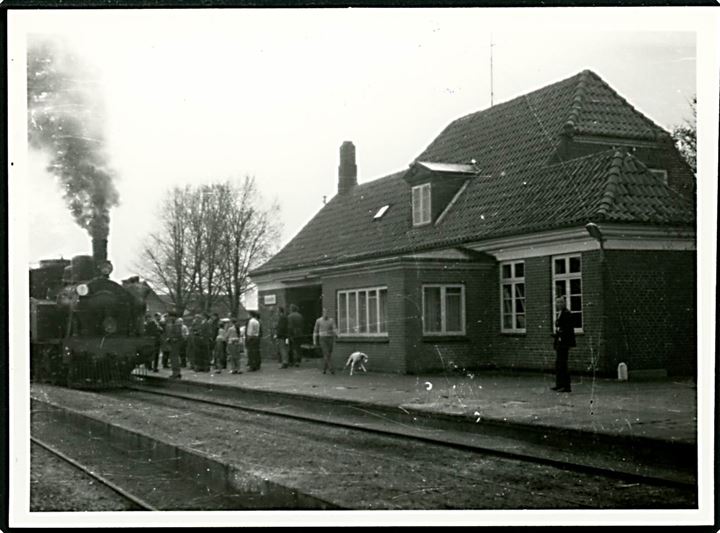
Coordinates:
(422, 210)
(566, 277)
(512, 281)
(367, 291)
(443, 309)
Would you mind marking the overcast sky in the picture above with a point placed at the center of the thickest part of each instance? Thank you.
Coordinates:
(195, 96)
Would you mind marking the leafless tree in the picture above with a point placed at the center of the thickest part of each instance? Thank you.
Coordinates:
(209, 238)
(165, 255)
(250, 237)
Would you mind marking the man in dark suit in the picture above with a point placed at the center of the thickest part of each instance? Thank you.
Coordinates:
(295, 335)
(564, 340)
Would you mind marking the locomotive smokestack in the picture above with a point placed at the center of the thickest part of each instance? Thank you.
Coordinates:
(99, 249)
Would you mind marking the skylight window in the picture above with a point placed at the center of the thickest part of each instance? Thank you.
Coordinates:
(381, 212)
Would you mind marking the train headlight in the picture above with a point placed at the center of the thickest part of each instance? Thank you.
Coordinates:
(105, 268)
(82, 289)
(109, 325)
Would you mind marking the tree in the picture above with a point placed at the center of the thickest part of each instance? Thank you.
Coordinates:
(166, 253)
(210, 237)
(249, 239)
(685, 137)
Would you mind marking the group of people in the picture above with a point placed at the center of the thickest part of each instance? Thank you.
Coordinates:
(289, 333)
(207, 344)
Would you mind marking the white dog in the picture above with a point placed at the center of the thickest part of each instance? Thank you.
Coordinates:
(356, 358)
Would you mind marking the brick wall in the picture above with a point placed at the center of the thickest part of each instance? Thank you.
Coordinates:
(387, 354)
(534, 348)
(651, 310)
(430, 353)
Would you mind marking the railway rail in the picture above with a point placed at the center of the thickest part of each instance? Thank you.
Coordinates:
(136, 503)
(378, 423)
(214, 454)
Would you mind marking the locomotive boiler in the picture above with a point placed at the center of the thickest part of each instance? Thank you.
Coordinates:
(86, 331)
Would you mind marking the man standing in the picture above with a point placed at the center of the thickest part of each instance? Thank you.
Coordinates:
(564, 340)
(295, 335)
(252, 341)
(281, 337)
(153, 329)
(324, 334)
(174, 335)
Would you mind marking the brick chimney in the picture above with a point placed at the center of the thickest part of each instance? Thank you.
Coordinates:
(347, 171)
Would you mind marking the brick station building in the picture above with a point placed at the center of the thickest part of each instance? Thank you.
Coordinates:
(456, 260)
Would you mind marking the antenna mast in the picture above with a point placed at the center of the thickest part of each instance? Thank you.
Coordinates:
(491, 71)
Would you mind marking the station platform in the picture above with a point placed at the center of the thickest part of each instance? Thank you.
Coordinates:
(661, 409)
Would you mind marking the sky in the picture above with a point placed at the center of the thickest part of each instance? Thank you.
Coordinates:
(193, 96)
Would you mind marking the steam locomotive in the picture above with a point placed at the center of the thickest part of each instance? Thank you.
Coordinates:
(86, 331)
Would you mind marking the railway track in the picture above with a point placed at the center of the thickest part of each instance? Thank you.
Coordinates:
(378, 423)
(213, 454)
(135, 503)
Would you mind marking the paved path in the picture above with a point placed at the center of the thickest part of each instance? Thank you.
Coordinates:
(661, 409)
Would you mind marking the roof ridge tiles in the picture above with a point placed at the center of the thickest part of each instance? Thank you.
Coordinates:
(608, 198)
(576, 106)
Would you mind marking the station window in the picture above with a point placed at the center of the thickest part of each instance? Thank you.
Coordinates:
(512, 297)
(567, 282)
(362, 312)
(443, 309)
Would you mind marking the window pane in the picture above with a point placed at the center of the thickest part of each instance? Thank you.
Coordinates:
(372, 312)
(575, 286)
(519, 270)
(426, 203)
(574, 264)
(416, 205)
(559, 289)
(507, 321)
(453, 310)
(342, 313)
(520, 305)
(519, 290)
(559, 266)
(432, 317)
(362, 311)
(506, 271)
(520, 321)
(577, 320)
(507, 292)
(576, 303)
(383, 304)
(352, 312)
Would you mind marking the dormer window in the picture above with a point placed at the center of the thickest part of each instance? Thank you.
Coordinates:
(421, 204)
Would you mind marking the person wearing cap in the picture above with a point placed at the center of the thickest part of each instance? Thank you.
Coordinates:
(564, 339)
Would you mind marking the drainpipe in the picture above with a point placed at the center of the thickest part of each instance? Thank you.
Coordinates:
(595, 232)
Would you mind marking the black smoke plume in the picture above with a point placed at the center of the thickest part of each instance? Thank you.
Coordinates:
(65, 120)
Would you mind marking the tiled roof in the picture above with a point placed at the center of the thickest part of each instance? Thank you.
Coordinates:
(515, 190)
